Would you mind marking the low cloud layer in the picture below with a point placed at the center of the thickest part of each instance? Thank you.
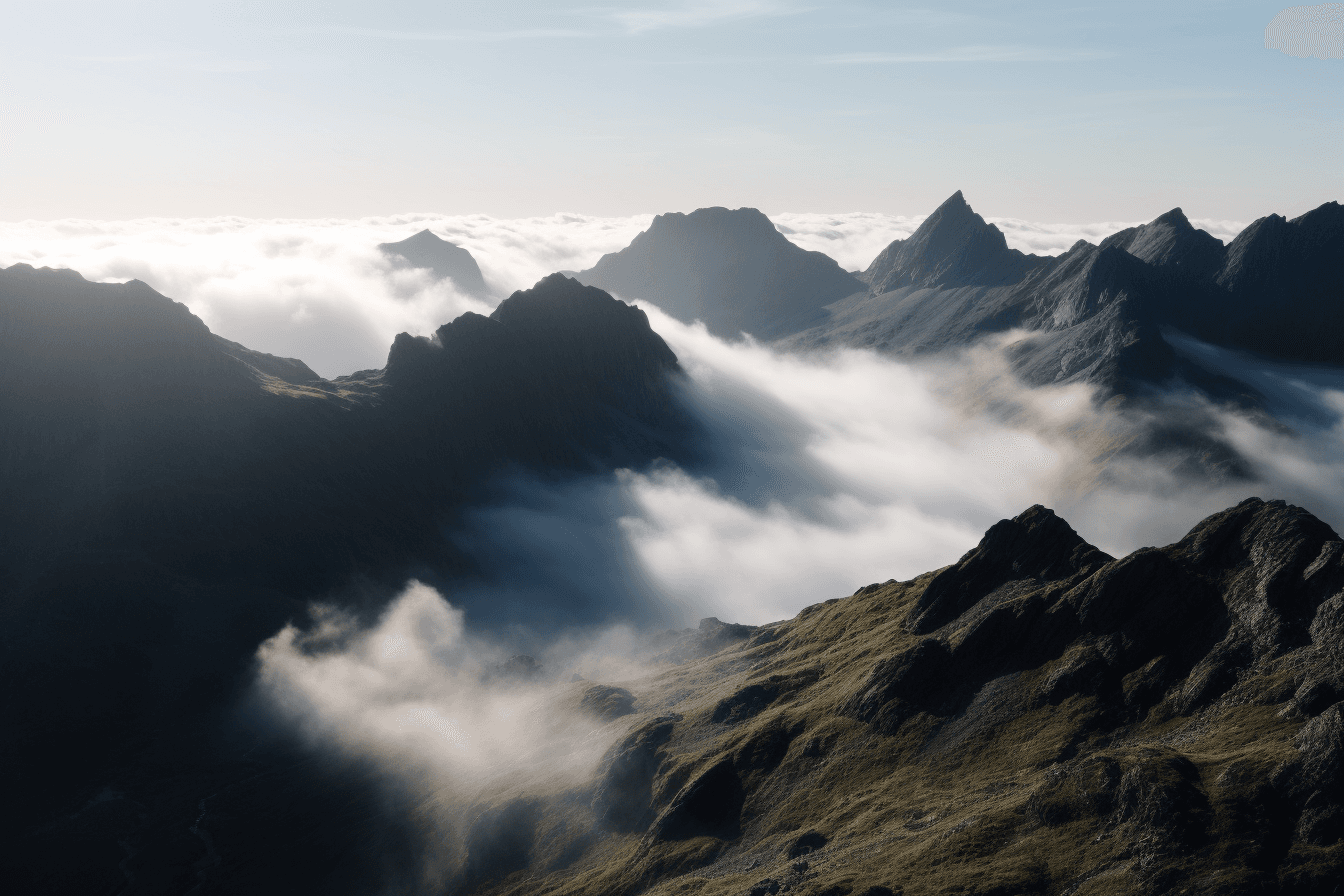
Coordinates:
(447, 706)
(320, 291)
(826, 473)
(448, 722)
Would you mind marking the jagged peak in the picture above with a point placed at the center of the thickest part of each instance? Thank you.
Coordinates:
(956, 200)
(1175, 218)
(954, 209)
(1037, 544)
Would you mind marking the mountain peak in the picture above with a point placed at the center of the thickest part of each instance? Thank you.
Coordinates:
(447, 261)
(730, 268)
(1174, 218)
(1171, 241)
(953, 247)
(1037, 544)
(956, 200)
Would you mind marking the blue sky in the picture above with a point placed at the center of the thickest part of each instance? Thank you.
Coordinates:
(1050, 112)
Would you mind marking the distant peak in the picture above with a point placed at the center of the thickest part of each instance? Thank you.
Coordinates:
(955, 202)
(716, 212)
(1176, 218)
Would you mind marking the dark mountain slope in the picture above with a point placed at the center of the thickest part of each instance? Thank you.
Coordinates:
(169, 499)
(124, 419)
(446, 260)
(1281, 289)
(729, 268)
(1037, 718)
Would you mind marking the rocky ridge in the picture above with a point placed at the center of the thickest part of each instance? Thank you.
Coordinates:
(1096, 314)
(1036, 718)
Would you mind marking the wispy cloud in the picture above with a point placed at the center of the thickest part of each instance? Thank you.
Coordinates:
(463, 36)
(969, 54)
(698, 15)
(182, 60)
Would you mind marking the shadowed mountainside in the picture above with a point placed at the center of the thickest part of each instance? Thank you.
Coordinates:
(1096, 313)
(170, 499)
(447, 261)
(729, 268)
(1038, 718)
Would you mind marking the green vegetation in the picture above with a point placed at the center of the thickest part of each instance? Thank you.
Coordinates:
(1164, 723)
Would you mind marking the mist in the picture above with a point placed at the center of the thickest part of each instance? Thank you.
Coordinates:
(824, 473)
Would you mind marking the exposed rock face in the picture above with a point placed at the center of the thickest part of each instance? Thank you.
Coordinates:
(1095, 313)
(729, 268)
(446, 260)
(1037, 718)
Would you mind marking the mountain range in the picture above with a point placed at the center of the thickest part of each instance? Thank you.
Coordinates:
(1036, 718)
(1099, 314)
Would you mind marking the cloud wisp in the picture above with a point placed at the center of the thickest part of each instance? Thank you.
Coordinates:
(698, 14)
(969, 54)
(474, 36)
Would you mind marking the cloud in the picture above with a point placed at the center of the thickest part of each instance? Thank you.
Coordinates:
(416, 689)
(462, 36)
(183, 60)
(820, 474)
(1308, 31)
(698, 15)
(1005, 53)
(886, 469)
(823, 473)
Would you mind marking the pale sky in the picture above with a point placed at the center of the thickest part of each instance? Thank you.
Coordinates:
(282, 108)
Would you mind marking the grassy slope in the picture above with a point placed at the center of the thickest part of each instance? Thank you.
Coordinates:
(1009, 794)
